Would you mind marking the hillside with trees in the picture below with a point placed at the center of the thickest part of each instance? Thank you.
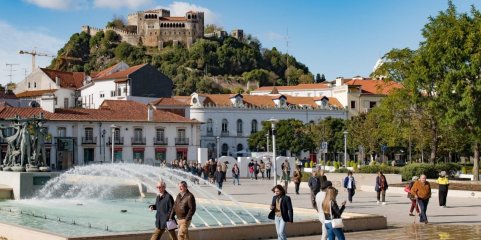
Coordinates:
(214, 65)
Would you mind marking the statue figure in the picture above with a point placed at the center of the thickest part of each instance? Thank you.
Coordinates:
(12, 152)
(40, 145)
(25, 145)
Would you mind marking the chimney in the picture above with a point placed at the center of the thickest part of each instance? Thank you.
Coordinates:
(150, 112)
(48, 102)
(339, 81)
(57, 80)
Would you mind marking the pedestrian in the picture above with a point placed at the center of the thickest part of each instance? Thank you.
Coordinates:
(443, 183)
(251, 169)
(320, 175)
(297, 178)
(164, 203)
(315, 187)
(281, 211)
(184, 209)
(268, 169)
(285, 178)
(224, 168)
(422, 192)
(381, 187)
(320, 196)
(236, 173)
(287, 167)
(219, 178)
(206, 172)
(331, 212)
(262, 168)
(212, 169)
(256, 169)
(350, 186)
(411, 197)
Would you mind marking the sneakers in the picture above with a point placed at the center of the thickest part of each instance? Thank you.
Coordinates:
(411, 214)
(383, 203)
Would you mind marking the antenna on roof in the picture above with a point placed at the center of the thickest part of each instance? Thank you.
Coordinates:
(10, 65)
(287, 55)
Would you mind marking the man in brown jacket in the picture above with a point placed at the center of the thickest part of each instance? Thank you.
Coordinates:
(184, 208)
(421, 190)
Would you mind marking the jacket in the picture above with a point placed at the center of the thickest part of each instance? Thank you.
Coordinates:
(314, 184)
(184, 207)
(423, 191)
(346, 182)
(286, 209)
(378, 183)
(163, 205)
(336, 211)
(219, 176)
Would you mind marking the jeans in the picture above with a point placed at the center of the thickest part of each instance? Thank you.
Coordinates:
(280, 228)
(219, 185)
(381, 193)
(297, 187)
(268, 173)
(333, 233)
(236, 177)
(443, 193)
(423, 207)
(350, 194)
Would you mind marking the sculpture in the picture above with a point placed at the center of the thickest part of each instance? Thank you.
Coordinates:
(26, 146)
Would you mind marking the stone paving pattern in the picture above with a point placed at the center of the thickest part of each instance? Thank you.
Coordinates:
(460, 220)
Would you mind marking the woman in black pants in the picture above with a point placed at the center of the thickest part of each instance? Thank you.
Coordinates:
(443, 188)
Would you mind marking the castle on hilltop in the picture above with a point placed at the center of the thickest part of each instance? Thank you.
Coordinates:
(156, 28)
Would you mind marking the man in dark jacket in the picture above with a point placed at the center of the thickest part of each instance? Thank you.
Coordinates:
(219, 178)
(163, 205)
(315, 187)
(281, 211)
(184, 208)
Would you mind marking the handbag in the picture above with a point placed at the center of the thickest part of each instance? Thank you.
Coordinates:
(171, 224)
(336, 222)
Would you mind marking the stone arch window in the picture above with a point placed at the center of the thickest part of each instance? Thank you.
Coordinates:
(225, 149)
(240, 147)
(162, 25)
(209, 126)
(225, 125)
(183, 24)
(254, 126)
(189, 17)
(239, 126)
(194, 16)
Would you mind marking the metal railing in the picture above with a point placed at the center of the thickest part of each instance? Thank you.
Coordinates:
(181, 141)
(161, 141)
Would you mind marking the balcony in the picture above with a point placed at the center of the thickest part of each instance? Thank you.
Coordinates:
(210, 133)
(89, 140)
(224, 133)
(181, 141)
(118, 141)
(137, 141)
(161, 141)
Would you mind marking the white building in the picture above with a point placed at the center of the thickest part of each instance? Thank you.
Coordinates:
(229, 120)
(142, 133)
(357, 94)
(63, 85)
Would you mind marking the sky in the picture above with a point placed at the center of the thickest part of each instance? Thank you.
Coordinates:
(337, 38)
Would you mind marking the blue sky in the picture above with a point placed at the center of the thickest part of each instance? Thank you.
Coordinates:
(335, 37)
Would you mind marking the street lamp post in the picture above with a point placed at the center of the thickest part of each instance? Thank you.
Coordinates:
(345, 149)
(267, 136)
(103, 146)
(113, 127)
(273, 127)
(218, 149)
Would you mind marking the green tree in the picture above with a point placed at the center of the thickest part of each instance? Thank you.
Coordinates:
(210, 28)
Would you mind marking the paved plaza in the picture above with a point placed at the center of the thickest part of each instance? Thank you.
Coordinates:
(460, 220)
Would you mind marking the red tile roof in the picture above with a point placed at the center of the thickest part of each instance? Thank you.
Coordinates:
(120, 74)
(7, 95)
(371, 86)
(35, 93)
(170, 102)
(111, 111)
(105, 72)
(67, 79)
(306, 86)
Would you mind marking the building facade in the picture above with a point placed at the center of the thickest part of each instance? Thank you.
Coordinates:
(229, 120)
(137, 133)
(357, 95)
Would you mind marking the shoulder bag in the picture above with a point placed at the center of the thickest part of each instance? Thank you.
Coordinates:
(171, 224)
(336, 222)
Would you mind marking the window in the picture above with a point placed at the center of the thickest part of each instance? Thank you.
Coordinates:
(181, 133)
(209, 125)
(65, 102)
(254, 126)
(138, 134)
(117, 134)
(224, 125)
(239, 126)
(28, 85)
(102, 94)
(160, 155)
(34, 84)
(225, 149)
(89, 134)
(160, 134)
(372, 104)
(240, 147)
(61, 132)
(353, 104)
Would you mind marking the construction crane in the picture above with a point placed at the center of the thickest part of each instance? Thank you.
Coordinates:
(35, 53)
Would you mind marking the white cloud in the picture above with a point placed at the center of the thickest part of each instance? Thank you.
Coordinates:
(59, 4)
(180, 8)
(25, 40)
(116, 4)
